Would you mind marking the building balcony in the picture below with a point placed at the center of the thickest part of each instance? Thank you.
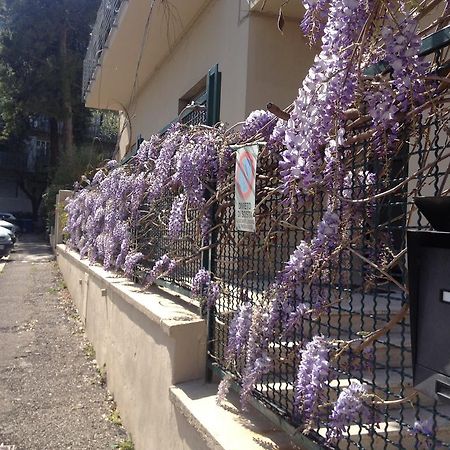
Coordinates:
(107, 19)
(129, 41)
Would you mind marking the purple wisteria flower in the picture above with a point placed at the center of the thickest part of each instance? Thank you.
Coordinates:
(225, 162)
(259, 121)
(164, 266)
(257, 361)
(404, 88)
(315, 18)
(176, 218)
(424, 430)
(253, 373)
(131, 261)
(312, 376)
(137, 194)
(164, 164)
(239, 331)
(148, 150)
(110, 165)
(349, 408)
(196, 164)
(294, 317)
(204, 289)
(278, 133)
(223, 389)
(424, 427)
(328, 89)
(298, 268)
(98, 177)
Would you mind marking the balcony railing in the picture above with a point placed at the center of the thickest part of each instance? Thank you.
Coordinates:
(106, 20)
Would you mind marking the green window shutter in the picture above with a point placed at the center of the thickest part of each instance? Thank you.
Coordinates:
(213, 86)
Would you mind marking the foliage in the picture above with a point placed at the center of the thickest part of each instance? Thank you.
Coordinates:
(89, 351)
(114, 417)
(105, 124)
(126, 444)
(70, 168)
(42, 45)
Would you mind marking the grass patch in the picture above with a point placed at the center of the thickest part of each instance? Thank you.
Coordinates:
(58, 287)
(89, 351)
(114, 417)
(126, 444)
(101, 372)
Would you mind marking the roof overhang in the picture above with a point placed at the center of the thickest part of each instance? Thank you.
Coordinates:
(144, 35)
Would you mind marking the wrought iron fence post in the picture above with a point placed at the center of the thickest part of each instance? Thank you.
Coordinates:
(213, 90)
(209, 263)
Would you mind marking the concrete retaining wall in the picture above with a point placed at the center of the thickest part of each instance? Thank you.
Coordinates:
(148, 342)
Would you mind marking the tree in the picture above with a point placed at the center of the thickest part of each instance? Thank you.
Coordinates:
(42, 45)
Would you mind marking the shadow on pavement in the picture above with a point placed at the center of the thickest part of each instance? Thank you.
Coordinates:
(32, 248)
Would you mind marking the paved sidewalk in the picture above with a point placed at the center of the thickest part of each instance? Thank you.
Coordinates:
(51, 396)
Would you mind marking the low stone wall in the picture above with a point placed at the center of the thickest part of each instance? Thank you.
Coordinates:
(148, 342)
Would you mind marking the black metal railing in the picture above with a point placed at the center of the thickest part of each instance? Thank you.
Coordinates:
(106, 19)
(153, 238)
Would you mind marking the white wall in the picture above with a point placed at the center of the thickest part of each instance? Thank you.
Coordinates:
(218, 36)
(277, 62)
(145, 342)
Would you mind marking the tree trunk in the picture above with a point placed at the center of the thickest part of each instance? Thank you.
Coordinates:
(66, 96)
(34, 195)
(35, 204)
(54, 143)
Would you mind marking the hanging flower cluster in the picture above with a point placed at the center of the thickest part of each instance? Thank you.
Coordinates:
(315, 18)
(258, 122)
(328, 89)
(316, 142)
(204, 289)
(312, 377)
(102, 214)
(349, 407)
(164, 266)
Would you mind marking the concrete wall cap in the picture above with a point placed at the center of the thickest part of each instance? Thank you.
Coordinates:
(226, 428)
(157, 304)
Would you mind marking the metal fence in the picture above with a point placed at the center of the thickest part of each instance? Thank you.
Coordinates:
(246, 264)
(153, 241)
(152, 238)
(360, 302)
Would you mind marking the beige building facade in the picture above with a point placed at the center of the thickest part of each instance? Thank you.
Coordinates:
(156, 58)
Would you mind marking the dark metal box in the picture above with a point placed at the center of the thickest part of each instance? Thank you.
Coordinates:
(429, 289)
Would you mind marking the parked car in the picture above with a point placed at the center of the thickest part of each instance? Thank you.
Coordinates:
(9, 226)
(8, 216)
(10, 233)
(6, 243)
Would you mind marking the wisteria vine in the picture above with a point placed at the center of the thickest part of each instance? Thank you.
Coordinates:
(308, 158)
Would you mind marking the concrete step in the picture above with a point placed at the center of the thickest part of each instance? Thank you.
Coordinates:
(378, 382)
(392, 350)
(390, 434)
(360, 313)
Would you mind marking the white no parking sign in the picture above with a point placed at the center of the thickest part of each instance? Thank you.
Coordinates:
(245, 176)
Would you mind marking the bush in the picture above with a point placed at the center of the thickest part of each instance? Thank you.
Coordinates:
(70, 168)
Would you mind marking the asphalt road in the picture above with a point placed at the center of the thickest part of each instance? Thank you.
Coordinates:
(51, 396)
